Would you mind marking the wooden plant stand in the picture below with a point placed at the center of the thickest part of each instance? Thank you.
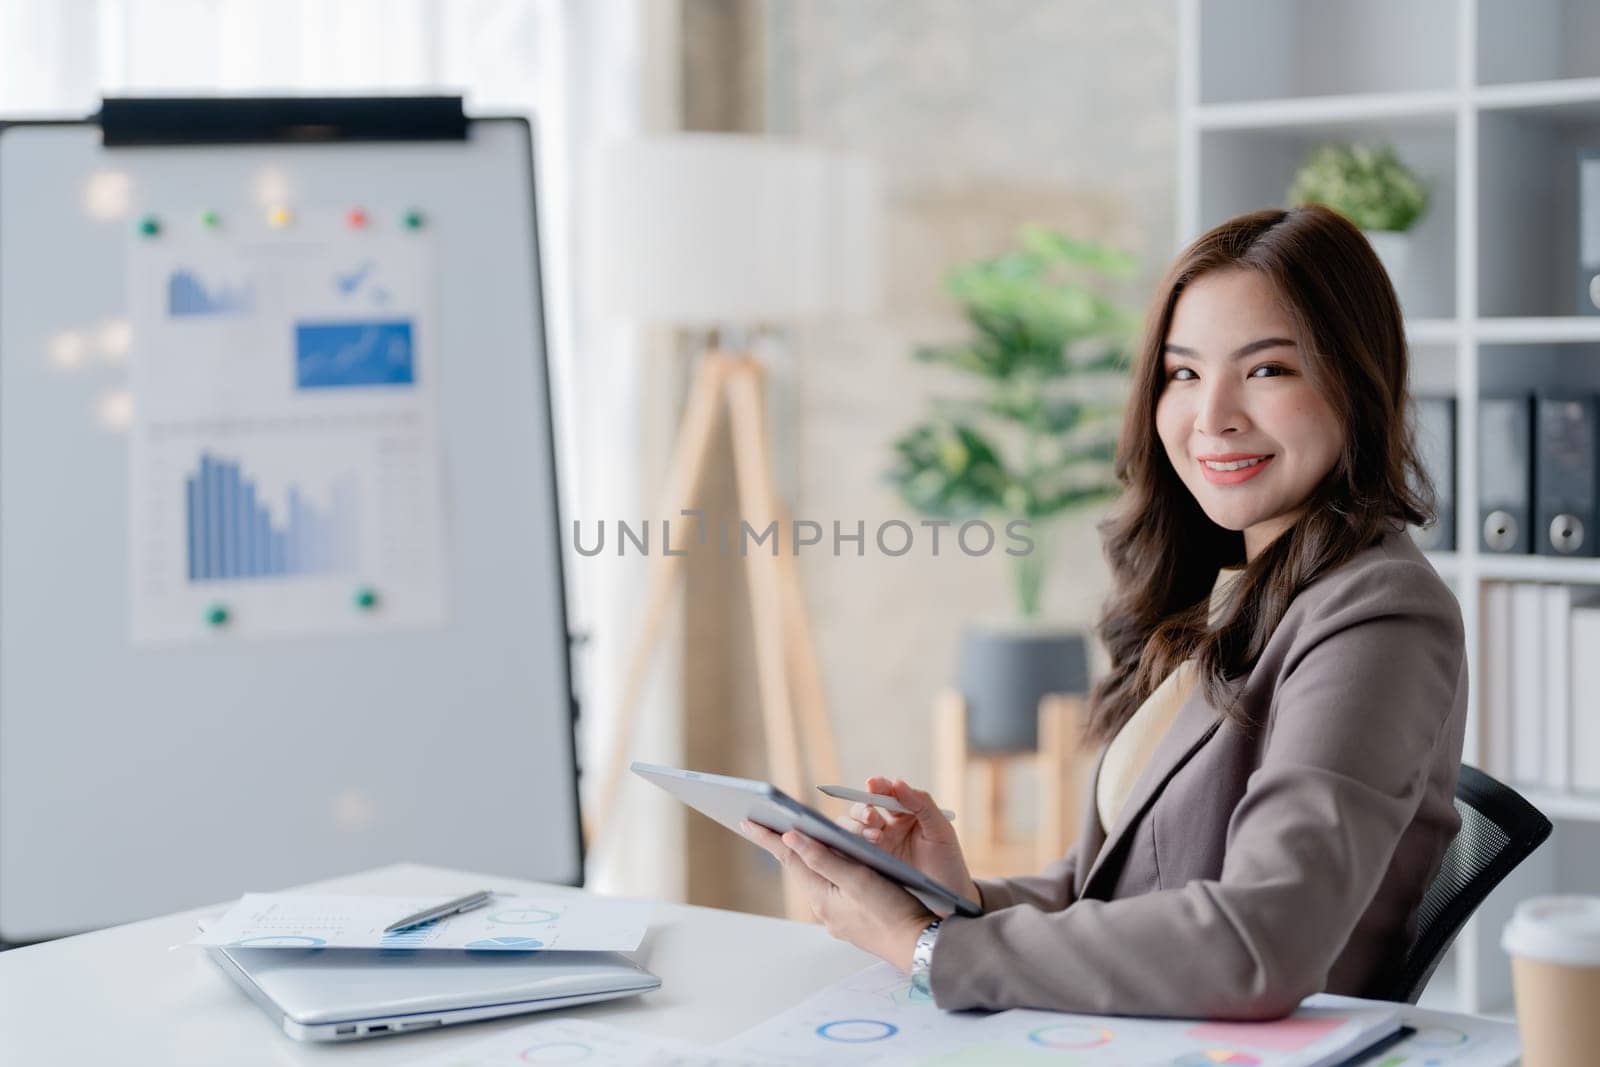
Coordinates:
(975, 785)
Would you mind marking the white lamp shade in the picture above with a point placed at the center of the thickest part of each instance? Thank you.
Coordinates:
(730, 229)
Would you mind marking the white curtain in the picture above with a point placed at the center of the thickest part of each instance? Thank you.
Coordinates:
(582, 68)
(58, 57)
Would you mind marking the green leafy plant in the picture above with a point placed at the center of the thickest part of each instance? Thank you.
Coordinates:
(1038, 436)
(1367, 184)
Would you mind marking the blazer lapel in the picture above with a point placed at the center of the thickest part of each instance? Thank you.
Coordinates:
(1091, 835)
(1194, 724)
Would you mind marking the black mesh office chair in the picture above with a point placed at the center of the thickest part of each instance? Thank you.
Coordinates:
(1499, 829)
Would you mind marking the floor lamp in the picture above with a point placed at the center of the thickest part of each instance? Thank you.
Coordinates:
(734, 233)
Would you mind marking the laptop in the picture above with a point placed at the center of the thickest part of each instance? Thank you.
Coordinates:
(338, 994)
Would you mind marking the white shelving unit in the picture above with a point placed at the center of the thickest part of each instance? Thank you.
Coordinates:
(1488, 100)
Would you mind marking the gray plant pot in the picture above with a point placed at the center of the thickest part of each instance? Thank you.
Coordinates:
(1005, 670)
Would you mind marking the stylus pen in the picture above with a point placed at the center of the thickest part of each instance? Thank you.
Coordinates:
(877, 800)
(439, 911)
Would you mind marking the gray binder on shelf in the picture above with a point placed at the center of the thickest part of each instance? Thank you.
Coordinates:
(1436, 441)
(1567, 474)
(1505, 473)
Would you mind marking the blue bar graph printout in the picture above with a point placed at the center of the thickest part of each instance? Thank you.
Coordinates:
(188, 294)
(231, 532)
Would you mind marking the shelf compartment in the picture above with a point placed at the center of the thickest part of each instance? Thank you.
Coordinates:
(1268, 49)
(1537, 40)
(1527, 209)
(1504, 368)
(1248, 169)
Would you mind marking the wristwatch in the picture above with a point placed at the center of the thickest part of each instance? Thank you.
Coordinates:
(922, 958)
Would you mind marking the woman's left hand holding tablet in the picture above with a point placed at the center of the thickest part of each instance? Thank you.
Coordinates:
(854, 902)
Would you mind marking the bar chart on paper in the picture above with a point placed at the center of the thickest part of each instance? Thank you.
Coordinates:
(232, 531)
(284, 527)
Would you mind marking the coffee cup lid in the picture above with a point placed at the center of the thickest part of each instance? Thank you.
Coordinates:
(1563, 929)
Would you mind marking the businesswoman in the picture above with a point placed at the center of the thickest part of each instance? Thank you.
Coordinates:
(1273, 794)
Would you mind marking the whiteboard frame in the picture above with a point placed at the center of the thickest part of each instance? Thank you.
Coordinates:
(537, 308)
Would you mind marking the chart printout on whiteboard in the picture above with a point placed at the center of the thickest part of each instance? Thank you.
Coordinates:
(285, 460)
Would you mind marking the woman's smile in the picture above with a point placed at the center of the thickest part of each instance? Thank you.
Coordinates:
(1231, 468)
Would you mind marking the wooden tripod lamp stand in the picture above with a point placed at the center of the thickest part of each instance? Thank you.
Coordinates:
(736, 233)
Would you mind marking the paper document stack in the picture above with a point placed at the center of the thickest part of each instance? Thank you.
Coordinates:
(874, 1018)
(508, 923)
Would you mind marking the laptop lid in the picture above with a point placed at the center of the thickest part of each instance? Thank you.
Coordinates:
(320, 986)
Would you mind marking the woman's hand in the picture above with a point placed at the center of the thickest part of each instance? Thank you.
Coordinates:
(855, 903)
(923, 838)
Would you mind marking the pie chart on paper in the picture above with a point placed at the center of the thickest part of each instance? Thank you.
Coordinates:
(524, 916)
(1216, 1057)
(1070, 1036)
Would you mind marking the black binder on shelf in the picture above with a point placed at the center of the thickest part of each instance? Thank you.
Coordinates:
(1505, 473)
(1566, 515)
(1436, 444)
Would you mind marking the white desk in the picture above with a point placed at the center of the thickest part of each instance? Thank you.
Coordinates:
(120, 996)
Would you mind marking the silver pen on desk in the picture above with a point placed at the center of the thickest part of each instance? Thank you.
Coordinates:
(439, 911)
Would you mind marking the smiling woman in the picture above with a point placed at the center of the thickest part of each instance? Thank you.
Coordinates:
(1276, 337)
(1275, 791)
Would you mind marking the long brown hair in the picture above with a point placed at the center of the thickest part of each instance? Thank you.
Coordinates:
(1166, 554)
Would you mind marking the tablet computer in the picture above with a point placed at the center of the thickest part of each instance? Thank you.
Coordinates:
(731, 800)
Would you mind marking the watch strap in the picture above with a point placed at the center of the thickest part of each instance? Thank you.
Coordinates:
(922, 958)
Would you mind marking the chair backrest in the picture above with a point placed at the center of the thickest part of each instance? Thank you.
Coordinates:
(1499, 829)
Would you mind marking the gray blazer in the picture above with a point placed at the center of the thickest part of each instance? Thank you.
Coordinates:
(1251, 868)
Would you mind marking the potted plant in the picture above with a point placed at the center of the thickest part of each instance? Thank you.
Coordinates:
(1370, 186)
(1034, 440)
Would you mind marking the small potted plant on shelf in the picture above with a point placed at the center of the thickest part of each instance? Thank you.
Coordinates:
(1035, 440)
(1373, 188)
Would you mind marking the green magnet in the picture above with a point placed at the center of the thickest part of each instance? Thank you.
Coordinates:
(413, 219)
(210, 219)
(217, 615)
(366, 598)
(149, 225)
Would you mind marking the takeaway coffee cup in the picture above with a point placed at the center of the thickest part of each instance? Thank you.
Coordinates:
(1554, 944)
